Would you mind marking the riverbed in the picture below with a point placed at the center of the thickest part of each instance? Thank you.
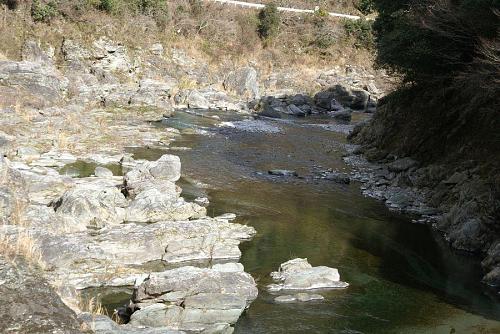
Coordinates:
(403, 277)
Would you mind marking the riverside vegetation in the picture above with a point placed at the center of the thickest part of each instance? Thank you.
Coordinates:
(83, 83)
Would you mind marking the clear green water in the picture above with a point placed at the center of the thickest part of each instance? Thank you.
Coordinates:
(404, 278)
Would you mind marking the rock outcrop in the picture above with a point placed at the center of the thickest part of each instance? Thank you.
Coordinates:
(298, 274)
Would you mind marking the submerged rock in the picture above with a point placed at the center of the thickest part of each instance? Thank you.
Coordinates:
(299, 297)
(282, 172)
(338, 177)
(298, 274)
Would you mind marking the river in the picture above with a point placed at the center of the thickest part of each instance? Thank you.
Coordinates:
(403, 277)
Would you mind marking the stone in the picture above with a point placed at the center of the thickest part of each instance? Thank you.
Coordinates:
(402, 165)
(298, 274)
(283, 172)
(342, 115)
(353, 98)
(285, 299)
(32, 52)
(456, 178)
(243, 82)
(166, 168)
(338, 177)
(102, 172)
(29, 304)
(157, 49)
(228, 267)
(296, 111)
(27, 153)
(93, 204)
(299, 297)
(46, 84)
(101, 324)
(211, 297)
(154, 204)
(308, 297)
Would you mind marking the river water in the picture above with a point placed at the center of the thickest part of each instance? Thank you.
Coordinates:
(403, 278)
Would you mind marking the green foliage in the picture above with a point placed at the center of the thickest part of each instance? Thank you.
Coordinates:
(108, 6)
(366, 6)
(361, 31)
(426, 40)
(321, 12)
(43, 12)
(269, 22)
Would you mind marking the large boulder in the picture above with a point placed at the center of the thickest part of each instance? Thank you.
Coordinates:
(208, 297)
(243, 82)
(93, 204)
(166, 169)
(36, 79)
(298, 274)
(154, 93)
(329, 99)
(156, 203)
(29, 304)
(192, 98)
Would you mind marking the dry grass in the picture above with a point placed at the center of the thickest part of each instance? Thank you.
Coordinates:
(94, 306)
(216, 33)
(21, 245)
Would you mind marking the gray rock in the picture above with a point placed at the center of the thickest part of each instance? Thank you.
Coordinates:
(167, 168)
(338, 177)
(243, 82)
(210, 297)
(46, 84)
(101, 324)
(402, 165)
(28, 153)
(154, 204)
(298, 274)
(282, 172)
(299, 297)
(102, 172)
(352, 98)
(33, 52)
(296, 111)
(29, 304)
(456, 178)
(192, 99)
(157, 49)
(342, 115)
(93, 204)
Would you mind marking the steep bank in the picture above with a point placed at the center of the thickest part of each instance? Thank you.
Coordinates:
(443, 120)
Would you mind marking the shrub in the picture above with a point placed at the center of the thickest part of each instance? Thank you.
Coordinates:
(361, 31)
(41, 12)
(11, 4)
(269, 21)
(108, 6)
(365, 6)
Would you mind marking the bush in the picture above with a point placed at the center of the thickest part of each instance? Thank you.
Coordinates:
(365, 6)
(361, 31)
(41, 12)
(11, 4)
(108, 6)
(269, 21)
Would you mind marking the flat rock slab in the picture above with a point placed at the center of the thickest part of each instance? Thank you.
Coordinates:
(298, 274)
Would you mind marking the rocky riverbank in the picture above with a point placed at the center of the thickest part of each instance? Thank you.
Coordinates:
(456, 199)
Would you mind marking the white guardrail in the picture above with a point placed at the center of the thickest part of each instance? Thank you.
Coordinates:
(283, 9)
